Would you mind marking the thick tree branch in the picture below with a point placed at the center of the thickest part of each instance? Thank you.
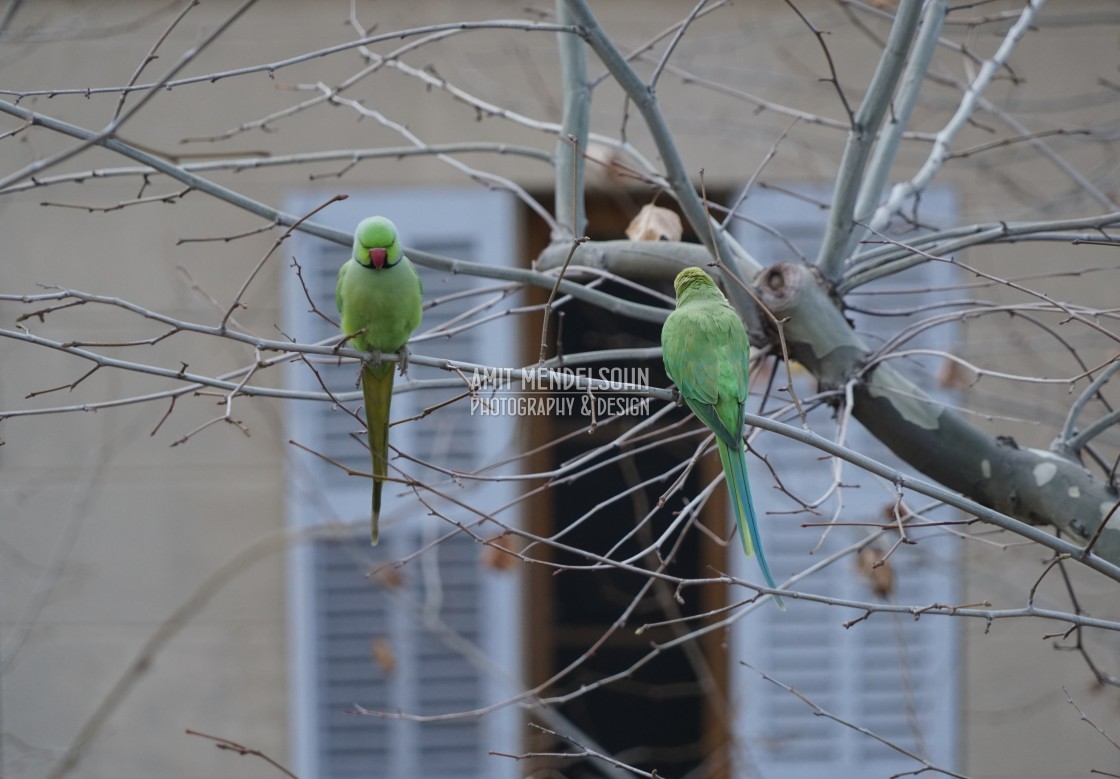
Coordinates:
(865, 125)
(940, 152)
(646, 261)
(1035, 486)
(570, 148)
(886, 148)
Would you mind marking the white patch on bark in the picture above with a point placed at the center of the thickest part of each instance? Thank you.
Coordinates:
(986, 468)
(1044, 472)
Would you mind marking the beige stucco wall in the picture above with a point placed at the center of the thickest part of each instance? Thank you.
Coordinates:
(111, 529)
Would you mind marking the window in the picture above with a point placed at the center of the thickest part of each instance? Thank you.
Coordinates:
(890, 674)
(441, 633)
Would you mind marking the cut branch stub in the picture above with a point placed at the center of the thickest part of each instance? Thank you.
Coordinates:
(817, 334)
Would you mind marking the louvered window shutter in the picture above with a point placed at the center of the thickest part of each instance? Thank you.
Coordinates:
(893, 675)
(444, 636)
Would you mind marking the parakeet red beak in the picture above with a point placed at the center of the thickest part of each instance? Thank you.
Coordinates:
(377, 257)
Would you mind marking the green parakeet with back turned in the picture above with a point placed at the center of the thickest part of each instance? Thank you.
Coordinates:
(705, 349)
(379, 301)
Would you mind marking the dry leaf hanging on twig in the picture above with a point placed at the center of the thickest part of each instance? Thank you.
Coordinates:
(878, 572)
(654, 223)
(498, 554)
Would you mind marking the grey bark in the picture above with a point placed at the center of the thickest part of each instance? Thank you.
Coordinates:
(1033, 485)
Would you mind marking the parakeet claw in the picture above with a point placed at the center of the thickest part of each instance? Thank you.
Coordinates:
(371, 359)
(676, 395)
(402, 353)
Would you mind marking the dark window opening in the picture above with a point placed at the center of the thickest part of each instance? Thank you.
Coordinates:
(668, 713)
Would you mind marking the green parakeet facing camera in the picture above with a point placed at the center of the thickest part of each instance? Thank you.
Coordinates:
(379, 301)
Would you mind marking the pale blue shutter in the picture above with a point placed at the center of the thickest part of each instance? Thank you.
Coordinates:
(891, 674)
(450, 624)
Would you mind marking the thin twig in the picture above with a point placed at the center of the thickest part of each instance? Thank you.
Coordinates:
(821, 712)
(151, 55)
(275, 245)
(232, 746)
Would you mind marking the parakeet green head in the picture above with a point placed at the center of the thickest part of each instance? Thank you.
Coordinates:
(691, 281)
(376, 244)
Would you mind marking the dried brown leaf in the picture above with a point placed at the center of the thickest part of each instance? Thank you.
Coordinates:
(498, 553)
(383, 654)
(654, 223)
(878, 572)
(388, 576)
(953, 375)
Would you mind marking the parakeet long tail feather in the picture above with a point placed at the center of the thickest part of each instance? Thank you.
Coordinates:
(377, 390)
(739, 488)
